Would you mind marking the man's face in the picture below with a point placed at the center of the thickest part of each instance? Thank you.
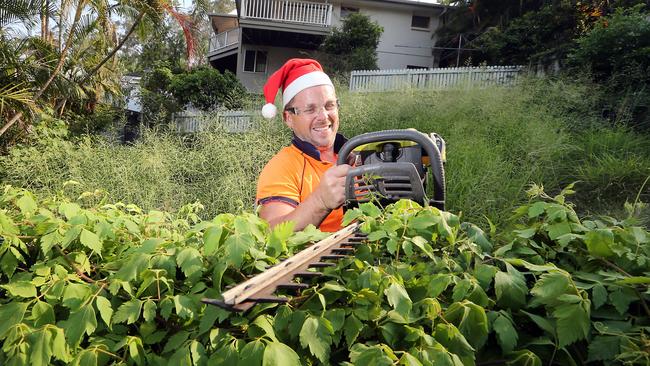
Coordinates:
(316, 117)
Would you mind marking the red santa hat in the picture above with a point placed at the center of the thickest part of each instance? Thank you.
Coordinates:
(294, 76)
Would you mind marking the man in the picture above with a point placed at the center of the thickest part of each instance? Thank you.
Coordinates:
(301, 183)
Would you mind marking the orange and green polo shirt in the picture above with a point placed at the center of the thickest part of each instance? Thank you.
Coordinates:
(293, 174)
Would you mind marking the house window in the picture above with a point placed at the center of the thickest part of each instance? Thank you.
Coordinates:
(255, 61)
(420, 22)
(346, 10)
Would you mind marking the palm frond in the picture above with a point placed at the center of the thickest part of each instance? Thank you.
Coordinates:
(16, 97)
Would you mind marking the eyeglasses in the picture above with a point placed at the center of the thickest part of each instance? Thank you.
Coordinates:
(312, 110)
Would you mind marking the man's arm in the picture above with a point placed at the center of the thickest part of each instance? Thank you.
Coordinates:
(329, 195)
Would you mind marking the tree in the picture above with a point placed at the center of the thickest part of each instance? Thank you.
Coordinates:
(616, 54)
(357, 41)
(521, 31)
(80, 28)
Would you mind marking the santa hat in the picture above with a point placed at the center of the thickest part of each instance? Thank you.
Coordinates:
(294, 76)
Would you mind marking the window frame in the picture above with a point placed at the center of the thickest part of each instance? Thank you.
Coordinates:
(349, 10)
(256, 52)
(428, 27)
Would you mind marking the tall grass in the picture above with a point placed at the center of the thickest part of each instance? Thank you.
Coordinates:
(499, 141)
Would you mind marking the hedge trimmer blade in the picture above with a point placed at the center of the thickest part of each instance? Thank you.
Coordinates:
(262, 287)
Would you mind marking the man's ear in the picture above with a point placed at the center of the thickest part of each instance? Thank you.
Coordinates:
(287, 117)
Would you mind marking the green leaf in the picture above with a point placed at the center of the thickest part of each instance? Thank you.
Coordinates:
(438, 284)
(265, 322)
(181, 357)
(105, 309)
(603, 348)
(362, 355)
(185, 306)
(91, 240)
(190, 261)
(572, 322)
(510, 288)
(59, 349)
(49, 240)
(541, 322)
(336, 318)
(42, 313)
(279, 354)
(524, 358)
(409, 360)
(21, 289)
(550, 286)
(471, 321)
(316, 333)
(11, 314)
(484, 273)
(536, 209)
(132, 268)
(506, 333)
(599, 242)
(40, 347)
(149, 311)
(252, 353)
(598, 295)
(279, 236)
(69, 209)
(26, 204)
(399, 299)
(559, 229)
(128, 312)
(212, 239)
(87, 357)
(351, 329)
(451, 338)
(81, 322)
(176, 341)
(622, 298)
(422, 243)
(71, 235)
(236, 247)
(377, 235)
(634, 280)
(370, 210)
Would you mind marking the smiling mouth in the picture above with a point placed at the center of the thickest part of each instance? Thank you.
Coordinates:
(322, 128)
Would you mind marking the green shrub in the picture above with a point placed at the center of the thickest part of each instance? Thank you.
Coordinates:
(352, 47)
(616, 53)
(91, 285)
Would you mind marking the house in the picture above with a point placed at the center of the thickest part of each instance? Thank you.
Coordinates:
(263, 34)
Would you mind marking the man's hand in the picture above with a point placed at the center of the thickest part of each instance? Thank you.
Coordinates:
(331, 190)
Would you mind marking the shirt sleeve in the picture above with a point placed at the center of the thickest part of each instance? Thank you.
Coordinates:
(279, 181)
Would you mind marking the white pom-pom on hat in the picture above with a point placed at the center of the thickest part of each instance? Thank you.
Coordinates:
(269, 110)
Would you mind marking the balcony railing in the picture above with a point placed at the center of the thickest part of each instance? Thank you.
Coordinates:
(301, 12)
(224, 39)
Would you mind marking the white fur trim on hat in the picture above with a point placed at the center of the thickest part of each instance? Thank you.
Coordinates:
(269, 110)
(306, 81)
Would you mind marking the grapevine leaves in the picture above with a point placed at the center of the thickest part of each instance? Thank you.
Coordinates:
(422, 290)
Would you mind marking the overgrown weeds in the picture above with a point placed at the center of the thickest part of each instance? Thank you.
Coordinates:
(500, 140)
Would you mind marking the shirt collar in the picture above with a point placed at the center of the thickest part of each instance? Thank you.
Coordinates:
(312, 151)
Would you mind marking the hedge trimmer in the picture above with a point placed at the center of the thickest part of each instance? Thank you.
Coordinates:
(388, 166)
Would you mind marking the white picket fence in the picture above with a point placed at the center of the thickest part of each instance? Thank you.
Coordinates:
(433, 79)
(192, 121)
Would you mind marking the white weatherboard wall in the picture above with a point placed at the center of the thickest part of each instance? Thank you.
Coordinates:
(399, 45)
